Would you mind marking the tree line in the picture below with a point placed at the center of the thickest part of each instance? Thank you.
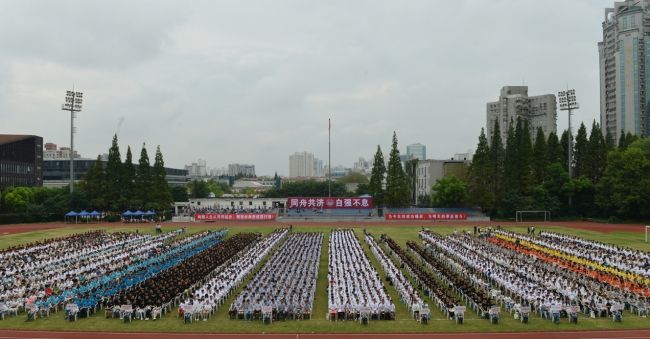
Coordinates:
(118, 186)
(389, 186)
(111, 186)
(529, 173)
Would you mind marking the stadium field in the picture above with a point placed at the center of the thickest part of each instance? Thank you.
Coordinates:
(219, 322)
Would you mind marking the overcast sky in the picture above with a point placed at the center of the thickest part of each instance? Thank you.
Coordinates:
(255, 81)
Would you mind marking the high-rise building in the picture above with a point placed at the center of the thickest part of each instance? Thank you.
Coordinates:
(51, 152)
(624, 57)
(362, 166)
(416, 151)
(301, 164)
(21, 160)
(514, 102)
(319, 169)
(241, 169)
(197, 169)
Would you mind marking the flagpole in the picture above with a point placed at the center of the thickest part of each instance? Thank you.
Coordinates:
(329, 155)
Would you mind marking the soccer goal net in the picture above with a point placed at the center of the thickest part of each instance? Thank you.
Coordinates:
(524, 216)
(646, 232)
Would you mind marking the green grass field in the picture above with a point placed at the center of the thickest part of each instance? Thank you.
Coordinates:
(318, 324)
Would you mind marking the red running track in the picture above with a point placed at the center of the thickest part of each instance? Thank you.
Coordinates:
(515, 335)
(592, 226)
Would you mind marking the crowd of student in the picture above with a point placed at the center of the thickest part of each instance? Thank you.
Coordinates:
(468, 285)
(284, 288)
(441, 294)
(544, 285)
(408, 294)
(55, 271)
(355, 289)
(210, 293)
(164, 287)
(621, 258)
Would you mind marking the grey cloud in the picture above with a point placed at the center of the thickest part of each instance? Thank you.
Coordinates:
(254, 81)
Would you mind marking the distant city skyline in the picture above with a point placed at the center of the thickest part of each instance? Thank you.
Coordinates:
(251, 82)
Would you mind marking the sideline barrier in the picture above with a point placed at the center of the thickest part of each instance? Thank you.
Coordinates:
(425, 216)
(234, 217)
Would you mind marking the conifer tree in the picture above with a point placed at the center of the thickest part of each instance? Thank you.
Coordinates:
(114, 176)
(397, 189)
(497, 157)
(554, 149)
(540, 156)
(160, 189)
(597, 149)
(95, 184)
(143, 178)
(480, 176)
(128, 177)
(376, 185)
(581, 153)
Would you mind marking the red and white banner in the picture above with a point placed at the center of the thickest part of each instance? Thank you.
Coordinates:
(234, 217)
(425, 216)
(329, 203)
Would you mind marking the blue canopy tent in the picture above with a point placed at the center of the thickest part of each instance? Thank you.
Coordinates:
(128, 213)
(71, 214)
(84, 215)
(138, 215)
(95, 215)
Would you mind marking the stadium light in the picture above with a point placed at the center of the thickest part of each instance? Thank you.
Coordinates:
(73, 101)
(568, 103)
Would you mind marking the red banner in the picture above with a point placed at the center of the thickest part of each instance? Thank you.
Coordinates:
(329, 203)
(425, 216)
(234, 217)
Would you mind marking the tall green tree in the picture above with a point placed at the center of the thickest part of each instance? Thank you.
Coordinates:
(94, 184)
(397, 188)
(510, 170)
(480, 176)
(610, 143)
(143, 179)
(526, 178)
(540, 156)
(622, 141)
(114, 185)
(410, 168)
(128, 177)
(597, 149)
(581, 153)
(376, 185)
(496, 170)
(161, 195)
(564, 141)
(554, 149)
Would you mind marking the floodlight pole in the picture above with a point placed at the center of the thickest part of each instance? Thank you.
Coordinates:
(329, 158)
(72, 103)
(568, 103)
